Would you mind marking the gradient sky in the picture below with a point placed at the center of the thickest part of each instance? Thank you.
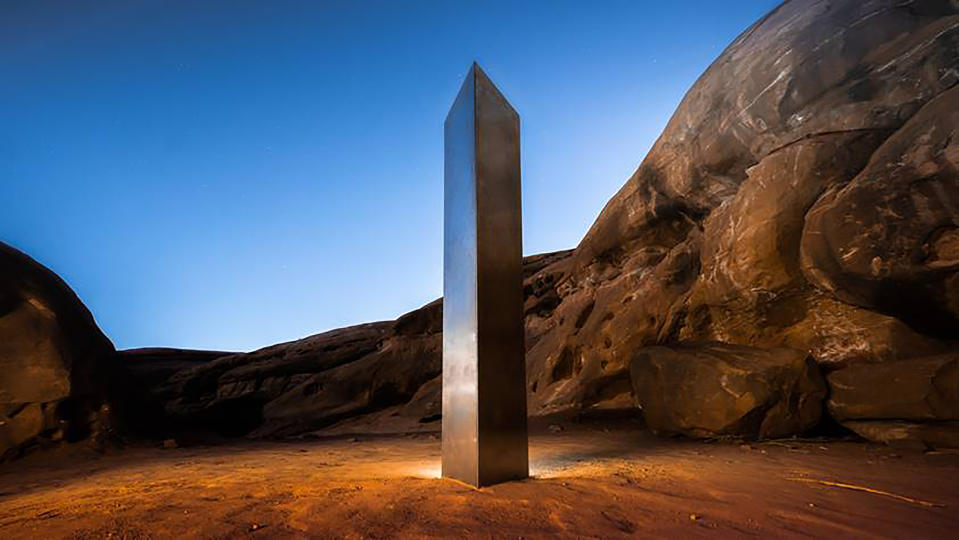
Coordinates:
(232, 174)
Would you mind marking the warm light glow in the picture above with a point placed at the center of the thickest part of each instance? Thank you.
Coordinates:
(432, 470)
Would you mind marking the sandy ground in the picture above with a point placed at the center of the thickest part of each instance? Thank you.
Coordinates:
(589, 481)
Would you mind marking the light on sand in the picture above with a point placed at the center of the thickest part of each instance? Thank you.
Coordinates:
(430, 470)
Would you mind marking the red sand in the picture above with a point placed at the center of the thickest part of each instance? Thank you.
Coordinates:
(589, 482)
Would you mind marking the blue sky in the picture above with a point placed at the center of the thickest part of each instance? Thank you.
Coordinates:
(232, 174)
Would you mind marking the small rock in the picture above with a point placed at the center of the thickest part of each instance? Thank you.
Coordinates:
(555, 428)
(694, 517)
(170, 443)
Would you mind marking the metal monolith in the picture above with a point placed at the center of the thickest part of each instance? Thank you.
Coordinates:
(484, 370)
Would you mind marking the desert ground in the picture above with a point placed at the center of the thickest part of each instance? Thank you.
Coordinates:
(588, 481)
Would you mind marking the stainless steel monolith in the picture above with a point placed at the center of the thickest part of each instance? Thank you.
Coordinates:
(484, 369)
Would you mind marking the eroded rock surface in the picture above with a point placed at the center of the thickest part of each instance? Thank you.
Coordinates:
(889, 239)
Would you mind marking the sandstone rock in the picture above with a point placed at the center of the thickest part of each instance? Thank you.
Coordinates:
(22, 425)
(578, 360)
(805, 69)
(389, 376)
(751, 289)
(915, 390)
(56, 367)
(889, 239)
(914, 435)
(794, 108)
(909, 402)
(719, 390)
(426, 405)
(706, 240)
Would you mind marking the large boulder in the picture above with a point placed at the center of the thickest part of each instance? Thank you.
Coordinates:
(721, 390)
(57, 369)
(912, 401)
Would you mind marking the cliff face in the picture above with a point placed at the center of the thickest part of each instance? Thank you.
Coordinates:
(804, 197)
(787, 176)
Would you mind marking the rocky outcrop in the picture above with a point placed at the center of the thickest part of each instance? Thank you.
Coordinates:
(721, 390)
(228, 394)
(714, 237)
(810, 172)
(57, 370)
(153, 366)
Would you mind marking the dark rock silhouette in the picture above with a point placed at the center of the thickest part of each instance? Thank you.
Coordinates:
(154, 365)
(58, 375)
